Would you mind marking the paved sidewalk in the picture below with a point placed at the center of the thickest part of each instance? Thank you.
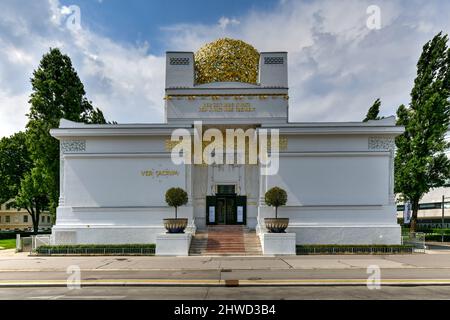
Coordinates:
(21, 270)
(24, 262)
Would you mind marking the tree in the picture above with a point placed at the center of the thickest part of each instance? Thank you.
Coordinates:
(176, 197)
(420, 162)
(14, 163)
(32, 195)
(57, 93)
(275, 197)
(373, 112)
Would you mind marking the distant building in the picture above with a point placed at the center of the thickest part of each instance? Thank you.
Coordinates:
(12, 219)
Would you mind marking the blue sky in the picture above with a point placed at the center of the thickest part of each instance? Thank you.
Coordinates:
(337, 65)
(137, 21)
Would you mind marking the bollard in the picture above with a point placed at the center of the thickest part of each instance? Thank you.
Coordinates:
(18, 243)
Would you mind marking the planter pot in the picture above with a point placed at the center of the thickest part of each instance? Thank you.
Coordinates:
(276, 225)
(175, 225)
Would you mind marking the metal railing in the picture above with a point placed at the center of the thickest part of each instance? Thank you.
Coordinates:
(95, 251)
(415, 239)
(40, 240)
(306, 250)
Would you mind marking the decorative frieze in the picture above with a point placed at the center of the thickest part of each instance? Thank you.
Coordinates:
(179, 61)
(73, 146)
(273, 60)
(192, 97)
(381, 143)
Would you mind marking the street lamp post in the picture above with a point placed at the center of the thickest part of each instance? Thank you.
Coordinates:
(442, 221)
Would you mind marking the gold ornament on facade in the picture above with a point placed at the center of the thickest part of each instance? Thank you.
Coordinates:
(226, 60)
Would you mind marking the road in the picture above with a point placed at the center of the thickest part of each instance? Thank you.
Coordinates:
(235, 293)
(417, 276)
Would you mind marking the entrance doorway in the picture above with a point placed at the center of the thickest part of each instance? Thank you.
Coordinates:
(226, 207)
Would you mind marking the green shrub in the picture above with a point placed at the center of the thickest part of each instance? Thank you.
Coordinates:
(437, 237)
(12, 234)
(99, 246)
(275, 197)
(176, 197)
(98, 249)
(353, 249)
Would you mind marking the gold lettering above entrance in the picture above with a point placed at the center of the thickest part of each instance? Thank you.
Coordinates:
(227, 107)
(159, 173)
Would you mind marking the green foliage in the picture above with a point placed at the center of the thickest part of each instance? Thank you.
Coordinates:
(373, 112)
(437, 237)
(98, 249)
(420, 162)
(32, 195)
(11, 234)
(100, 246)
(14, 163)
(275, 197)
(57, 93)
(353, 249)
(176, 197)
(7, 244)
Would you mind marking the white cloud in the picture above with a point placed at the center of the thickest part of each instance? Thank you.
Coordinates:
(126, 82)
(337, 66)
(224, 22)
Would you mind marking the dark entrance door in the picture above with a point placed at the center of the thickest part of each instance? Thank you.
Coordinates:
(226, 207)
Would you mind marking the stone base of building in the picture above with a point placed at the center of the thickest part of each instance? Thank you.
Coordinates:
(173, 244)
(105, 235)
(377, 234)
(278, 243)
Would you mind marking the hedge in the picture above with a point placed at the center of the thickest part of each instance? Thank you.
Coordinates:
(353, 249)
(12, 234)
(437, 237)
(97, 249)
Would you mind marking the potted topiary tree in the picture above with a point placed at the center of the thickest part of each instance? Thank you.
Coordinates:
(176, 197)
(276, 197)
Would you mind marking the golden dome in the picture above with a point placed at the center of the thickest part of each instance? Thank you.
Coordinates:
(226, 60)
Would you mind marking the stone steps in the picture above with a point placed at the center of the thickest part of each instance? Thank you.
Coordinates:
(225, 240)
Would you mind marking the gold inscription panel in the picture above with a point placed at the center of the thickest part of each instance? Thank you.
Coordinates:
(159, 173)
(226, 107)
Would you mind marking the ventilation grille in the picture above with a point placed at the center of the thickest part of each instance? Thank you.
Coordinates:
(273, 60)
(179, 61)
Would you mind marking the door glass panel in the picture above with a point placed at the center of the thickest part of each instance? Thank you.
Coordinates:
(231, 211)
(221, 210)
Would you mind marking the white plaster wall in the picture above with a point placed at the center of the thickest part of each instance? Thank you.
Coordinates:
(273, 74)
(199, 191)
(252, 193)
(336, 198)
(320, 143)
(180, 75)
(355, 234)
(127, 145)
(333, 215)
(343, 179)
(107, 181)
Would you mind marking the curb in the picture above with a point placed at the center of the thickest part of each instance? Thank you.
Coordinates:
(220, 283)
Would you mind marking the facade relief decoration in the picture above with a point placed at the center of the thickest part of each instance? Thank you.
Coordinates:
(73, 146)
(381, 143)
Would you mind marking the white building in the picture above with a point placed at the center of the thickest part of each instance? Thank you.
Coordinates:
(338, 176)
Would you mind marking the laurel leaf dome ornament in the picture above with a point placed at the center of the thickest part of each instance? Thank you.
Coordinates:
(226, 60)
